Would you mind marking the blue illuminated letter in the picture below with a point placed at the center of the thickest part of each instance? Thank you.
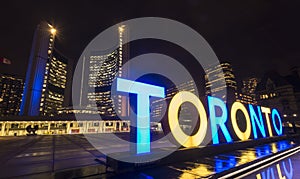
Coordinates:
(276, 113)
(143, 91)
(255, 120)
(289, 174)
(218, 120)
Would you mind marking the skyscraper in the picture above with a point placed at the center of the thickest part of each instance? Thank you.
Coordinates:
(158, 108)
(53, 92)
(248, 95)
(103, 67)
(281, 92)
(11, 89)
(249, 86)
(187, 113)
(46, 75)
(222, 80)
(245, 98)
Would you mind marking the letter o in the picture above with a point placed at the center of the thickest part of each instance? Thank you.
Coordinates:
(179, 135)
(241, 135)
(276, 113)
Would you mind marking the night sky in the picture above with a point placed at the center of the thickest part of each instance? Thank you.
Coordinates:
(255, 35)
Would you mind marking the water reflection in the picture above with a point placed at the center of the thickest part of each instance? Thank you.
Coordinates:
(240, 157)
(247, 156)
(223, 162)
(263, 151)
(196, 170)
(282, 169)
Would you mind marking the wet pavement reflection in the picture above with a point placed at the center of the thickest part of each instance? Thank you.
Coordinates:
(287, 168)
(209, 166)
(41, 156)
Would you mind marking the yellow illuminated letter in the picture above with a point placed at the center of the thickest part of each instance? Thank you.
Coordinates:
(267, 111)
(258, 176)
(179, 135)
(279, 172)
(234, 108)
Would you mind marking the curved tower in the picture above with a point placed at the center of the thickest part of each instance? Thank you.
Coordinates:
(46, 75)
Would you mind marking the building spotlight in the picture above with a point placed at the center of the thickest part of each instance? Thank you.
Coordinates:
(121, 28)
(53, 31)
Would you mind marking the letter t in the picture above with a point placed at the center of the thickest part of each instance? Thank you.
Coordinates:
(143, 91)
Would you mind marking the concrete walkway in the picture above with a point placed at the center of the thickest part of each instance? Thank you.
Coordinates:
(42, 156)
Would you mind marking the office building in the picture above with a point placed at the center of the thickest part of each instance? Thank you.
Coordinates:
(187, 113)
(249, 86)
(220, 81)
(281, 92)
(54, 86)
(11, 89)
(248, 91)
(45, 83)
(245, 98)
(157, 106)
(102, 69)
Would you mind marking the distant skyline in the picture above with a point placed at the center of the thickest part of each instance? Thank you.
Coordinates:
(255, 36)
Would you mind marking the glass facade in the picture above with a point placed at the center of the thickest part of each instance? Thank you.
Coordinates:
(54, 85)
(245, 98)
(186, 112)
(221, 79)
(46, 75)
(11, 89)
(103, 68)
(249, 86)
